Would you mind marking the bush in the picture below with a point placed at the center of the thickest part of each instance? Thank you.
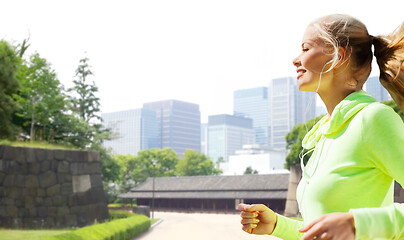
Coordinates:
(118, 214)
(120, 229)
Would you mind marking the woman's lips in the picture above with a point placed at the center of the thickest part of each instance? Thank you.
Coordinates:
(300, 73)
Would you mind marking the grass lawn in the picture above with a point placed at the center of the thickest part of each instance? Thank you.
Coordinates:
(14, 234)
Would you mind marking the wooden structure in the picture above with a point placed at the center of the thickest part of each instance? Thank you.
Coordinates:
(211, 193)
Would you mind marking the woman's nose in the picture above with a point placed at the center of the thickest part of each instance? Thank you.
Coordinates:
(296, 62)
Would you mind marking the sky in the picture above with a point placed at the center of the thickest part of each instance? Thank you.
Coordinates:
(195, 51)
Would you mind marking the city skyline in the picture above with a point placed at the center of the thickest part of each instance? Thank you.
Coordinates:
(198, 52)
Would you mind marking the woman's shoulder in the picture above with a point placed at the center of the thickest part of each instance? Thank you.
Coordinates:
(380, 114)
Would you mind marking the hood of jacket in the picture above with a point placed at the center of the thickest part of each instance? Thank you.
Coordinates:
(341, 116)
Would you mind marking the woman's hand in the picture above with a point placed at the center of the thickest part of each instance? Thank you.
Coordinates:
(335, 226)
(257, 219)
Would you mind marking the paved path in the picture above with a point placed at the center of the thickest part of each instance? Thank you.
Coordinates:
(198, 226)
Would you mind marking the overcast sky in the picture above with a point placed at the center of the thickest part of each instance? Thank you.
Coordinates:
(194, 51)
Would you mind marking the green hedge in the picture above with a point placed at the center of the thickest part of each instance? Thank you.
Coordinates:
(118, 214)
(121, 229)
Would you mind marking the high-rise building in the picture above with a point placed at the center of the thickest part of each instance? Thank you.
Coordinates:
(288, 107)
(134, 130)
(228, 133)
(376, 89)
(179, 125)
(204, 138)
(253, 103)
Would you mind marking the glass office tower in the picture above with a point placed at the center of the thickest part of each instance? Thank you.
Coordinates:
(253, 103)
(179, 125)
(288, 107)
(228, 133)
(134, 130)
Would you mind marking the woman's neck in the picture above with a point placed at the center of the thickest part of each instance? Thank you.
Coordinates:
(333, 98)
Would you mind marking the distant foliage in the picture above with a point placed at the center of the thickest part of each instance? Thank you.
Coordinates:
(249, 170)
(9, 65)
(195, 164)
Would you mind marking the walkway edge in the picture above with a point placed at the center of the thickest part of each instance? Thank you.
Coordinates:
(156, 223)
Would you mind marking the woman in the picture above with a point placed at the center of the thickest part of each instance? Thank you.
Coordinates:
(346, 191)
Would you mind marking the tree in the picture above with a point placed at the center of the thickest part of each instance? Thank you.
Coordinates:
(40, 99)
(9, 65)
(294, 142)
(85, 103)
(195, 163)
(249, 170)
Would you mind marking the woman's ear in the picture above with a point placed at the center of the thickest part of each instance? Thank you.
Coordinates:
(342, 57)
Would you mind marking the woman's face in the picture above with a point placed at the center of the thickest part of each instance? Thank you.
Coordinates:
(313, 60)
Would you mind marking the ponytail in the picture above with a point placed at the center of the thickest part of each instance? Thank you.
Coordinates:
(389, 53)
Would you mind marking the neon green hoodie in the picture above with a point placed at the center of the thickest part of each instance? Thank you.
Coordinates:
(358, 152)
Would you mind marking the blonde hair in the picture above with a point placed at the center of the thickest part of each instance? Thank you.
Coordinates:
(339, 30)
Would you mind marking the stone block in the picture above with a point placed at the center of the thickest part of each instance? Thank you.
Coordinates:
(19, 155)
(30, 192)
(1, 151)
(45, 166)
(59, 200)
(50, 155)
(63, 211)
(19, 203)
(48, 201)
(7, 201)
(63, 167)
(14, 167)
(47, 179)
(71, 220)
(29, 202)
(40, 192)
(81, 183)
(2, 176)
(66, 189)
(59, 154)
(97, 195)
(14, 192)
(40, 155)
(20, 180)
(11, 211)
(42, 212)
(8, 153)
(23, 212)
(52, 211)
(31, 181)
(39, 201)
(50, 222)
(93, 156)
(96, 180)
(32, 212)
(71, 156)
(53, 190)
(9, 180)
(34, 167)
(31, 156)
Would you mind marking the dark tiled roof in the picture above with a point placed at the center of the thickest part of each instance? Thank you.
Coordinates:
(271, 186)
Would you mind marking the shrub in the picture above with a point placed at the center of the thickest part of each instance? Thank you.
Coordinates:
(118, 214)
(120, 229)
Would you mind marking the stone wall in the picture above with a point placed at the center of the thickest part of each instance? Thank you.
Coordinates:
(50, 188)
(292, 208)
